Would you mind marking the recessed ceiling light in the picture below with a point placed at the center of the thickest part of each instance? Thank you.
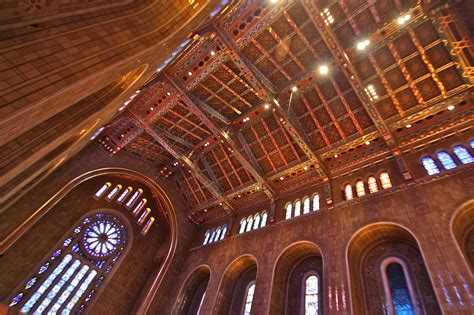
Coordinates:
(190, 73)
(450, 107)
(335, 155)
(168, 93)
(213, 53)
(305, 168)
(363, 44)
(323, 69)
(282, 178)
(294, 89)
(408, 126)
(151, 108)
(266, 106)
(367, 142)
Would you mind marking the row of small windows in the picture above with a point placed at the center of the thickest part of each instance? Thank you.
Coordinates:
(294, 209)
(131, 203)
(215, 235)
(445, 159)
(253, 222)
(372, 186)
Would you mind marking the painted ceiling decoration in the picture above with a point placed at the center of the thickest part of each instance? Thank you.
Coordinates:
(273, 96)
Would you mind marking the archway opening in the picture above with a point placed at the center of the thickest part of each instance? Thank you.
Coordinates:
(387, 273)
(233, 296)
(462, 226)
(193, 292)
(298, 280)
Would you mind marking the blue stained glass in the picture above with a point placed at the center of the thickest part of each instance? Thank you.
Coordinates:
(446, 160)
(463, 154)
(430, 165)
(67, 241)
(43, 268)
(100, 264)
(401, 299)
(56, 253)
(30, 283)
(77, 230)
(16, 299)
(75, 247)
(471, 143)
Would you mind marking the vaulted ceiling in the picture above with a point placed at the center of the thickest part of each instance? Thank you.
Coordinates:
(270, 97)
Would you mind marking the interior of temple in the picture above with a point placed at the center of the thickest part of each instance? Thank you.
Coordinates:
(298, 157)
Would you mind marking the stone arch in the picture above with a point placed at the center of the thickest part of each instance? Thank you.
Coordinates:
(291, 257)
(462, 229)
(241, 268)
(165, 206)
(367, 250)
(192, 292)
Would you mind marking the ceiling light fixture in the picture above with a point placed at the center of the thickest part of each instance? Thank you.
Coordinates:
(363, 44)
(450, 107)
(335, 155)
(367, 142)
(282, 178)
(213, 53)
(401, 20)
(408, 126)
(294, 89)
(266, 106)
(323, 69)
(190, 73)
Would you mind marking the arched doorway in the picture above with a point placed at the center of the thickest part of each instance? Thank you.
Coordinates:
(297, 286)
(387, 272)
(237, 287)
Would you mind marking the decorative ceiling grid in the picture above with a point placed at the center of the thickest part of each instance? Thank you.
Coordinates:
(216, 105)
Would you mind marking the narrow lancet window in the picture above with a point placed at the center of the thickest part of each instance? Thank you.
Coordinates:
(385, 180)
(360, 189)
(289, 210)
(249, 224)
(243, 223)
(372, 183)
(249, 298)
(306, 205)
(446, 160)
(430, 165)
(297, 208)
(264, 219)
(463, 154)
(114, 192)
(316, 202)
(102, 190)
(256, 222)
(400, 297)
(348, 193)
(311, 298)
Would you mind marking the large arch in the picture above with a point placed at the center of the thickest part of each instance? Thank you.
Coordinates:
(367, 253)
(292, 257)
(462, 229)
(243, 268)
(192, 292)
(164, 202)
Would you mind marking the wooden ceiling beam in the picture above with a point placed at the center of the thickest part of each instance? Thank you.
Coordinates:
(190, 102)
(265, 152)
(275, 144)
(315, 120)
(195, 170)
(270, 58)
(230, 90)
(267, 90)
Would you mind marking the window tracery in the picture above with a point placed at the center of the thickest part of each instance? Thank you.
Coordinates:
(311, 294)
(399, 295)
(78, 267)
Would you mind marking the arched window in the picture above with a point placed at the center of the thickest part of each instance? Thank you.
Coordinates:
(249, 297)
(102, 190)
(213, 235)
(249, 224)
(218, 234)
(471, 143)
(114, 191)
(264, 219)
(256, 221)
(316, 202)
(206, 237)
(148, 225)
(289, 210)
(143, 216)
(372, 183)
(134, 198)
(306, 205)
(430, 166)
(124, 194)
(139, 207)
(348, 192)
(385, 180)
(297, 208)
(78, 267)
(397, 289)
(243, 222)
(446, 160)
(311, 295)
(360, 189)
(223, 233)
(463, 154)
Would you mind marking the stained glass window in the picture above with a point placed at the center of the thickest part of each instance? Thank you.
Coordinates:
(289, 210)
(348, 193)
(446, 160)
(264, 219)
(114, 191)
(372, 183)
(143, 216)
(311, 291)
(306, 205)
(400, 294)
(139, 207)
(124, 194)
(385, 180)
(360, 189)
(471, 143)
(148, 225)
(249, 298)
(134, 198)
(297, 208)
(249, 224)
(430, 165)
(223, 233)
(102, 190)
(463, 154)
(213, 234)
(218, 234)
(79, 266)
(256, 222)
(206, 237)
(316, 202)
(243, 222)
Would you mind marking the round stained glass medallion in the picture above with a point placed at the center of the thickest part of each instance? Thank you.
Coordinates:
(102, 238)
